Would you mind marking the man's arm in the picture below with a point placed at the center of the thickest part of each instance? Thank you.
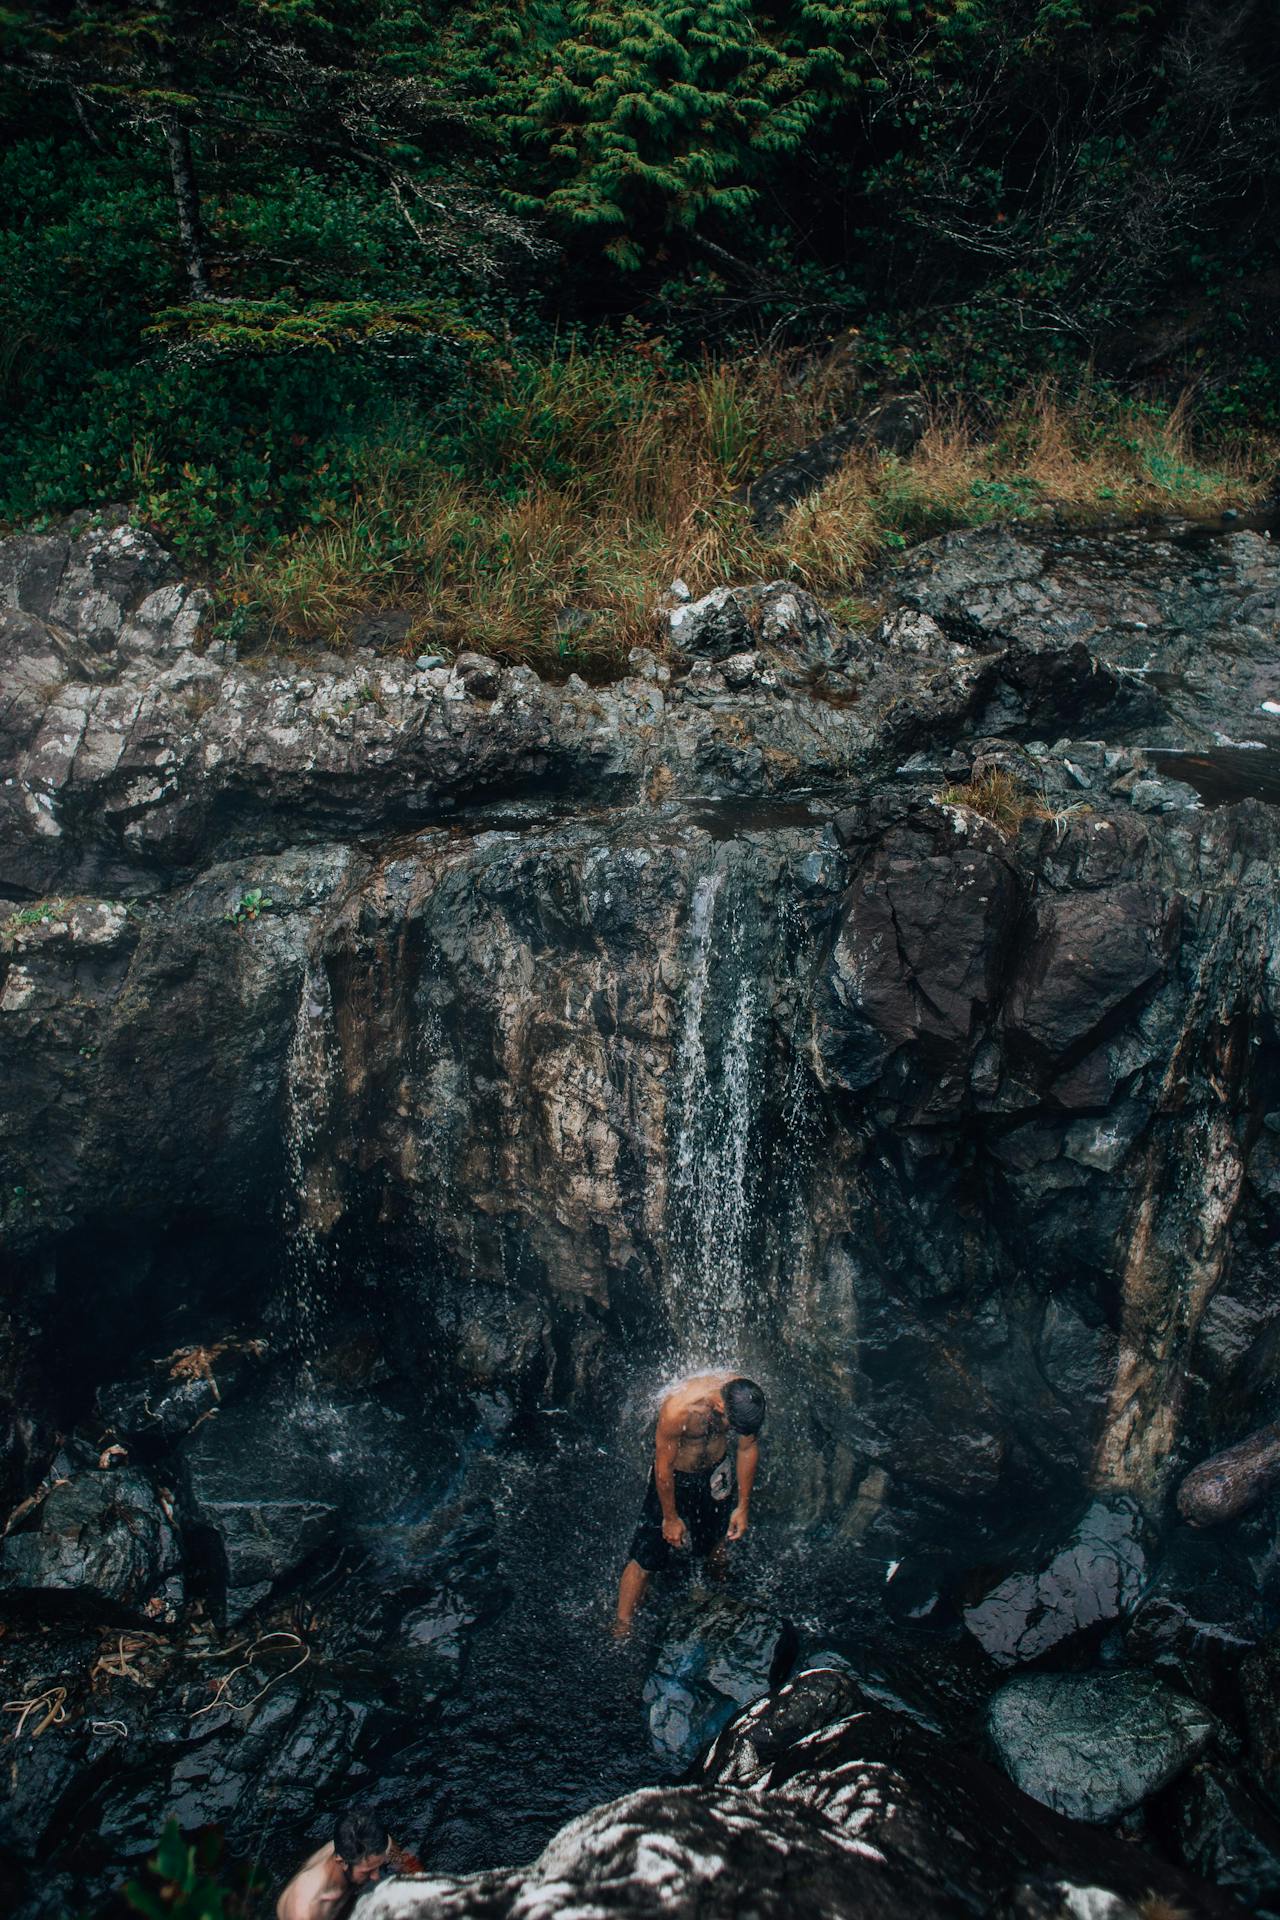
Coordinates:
(748, 1461)
(665, 1443)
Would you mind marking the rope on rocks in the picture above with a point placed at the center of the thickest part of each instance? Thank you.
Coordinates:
(52, 1699)
(264, 1639)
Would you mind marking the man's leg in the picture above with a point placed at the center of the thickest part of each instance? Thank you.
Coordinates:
(631, 1592)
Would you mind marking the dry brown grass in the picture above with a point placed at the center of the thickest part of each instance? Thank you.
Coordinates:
(625, 475)
(1157, 1906)
(999, 797)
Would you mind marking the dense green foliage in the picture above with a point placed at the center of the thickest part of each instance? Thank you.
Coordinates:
(245, 246)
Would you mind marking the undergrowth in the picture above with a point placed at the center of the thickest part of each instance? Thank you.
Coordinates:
(999, 796)
(544, 528)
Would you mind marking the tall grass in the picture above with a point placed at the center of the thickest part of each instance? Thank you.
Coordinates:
(587, 482)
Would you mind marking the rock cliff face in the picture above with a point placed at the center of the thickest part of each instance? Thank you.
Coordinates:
(596, 1010)
(696, 1015)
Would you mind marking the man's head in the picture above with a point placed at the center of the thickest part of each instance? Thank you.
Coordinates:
(362, 1843)
(745, 1405)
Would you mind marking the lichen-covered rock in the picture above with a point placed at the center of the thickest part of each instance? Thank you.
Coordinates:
(1093, 1745)
(731, 621)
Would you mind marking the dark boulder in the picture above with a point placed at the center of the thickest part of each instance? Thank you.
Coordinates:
(1090, 1583)
(718, 1655)
(1260, 1687)
(1093, 1745)
(259, 1500)
(175, 1394)
(103, 1540)
(813, 1806)
(895, 425)
(1091, 960)
(1224, 1831)
(1199, 1613)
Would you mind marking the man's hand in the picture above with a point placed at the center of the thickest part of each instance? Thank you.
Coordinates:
(737, 1523)
(673, 1532)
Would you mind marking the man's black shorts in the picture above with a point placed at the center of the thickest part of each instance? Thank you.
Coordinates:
(704, 1502)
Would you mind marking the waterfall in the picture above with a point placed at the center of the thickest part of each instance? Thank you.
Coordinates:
(715, 1148)
(312, 1204)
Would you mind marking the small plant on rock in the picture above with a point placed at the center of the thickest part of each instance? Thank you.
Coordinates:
(38, 914)
(250, 906)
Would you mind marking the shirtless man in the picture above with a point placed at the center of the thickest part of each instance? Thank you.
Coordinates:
(689, 1502)
(325, 1885)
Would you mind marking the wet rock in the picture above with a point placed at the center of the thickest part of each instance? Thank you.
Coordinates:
(1200, 1612)
(103, 1540)
(1223, 1831)
(1090, 961)
(289, 1749)
(918, 960)
(1094, 1745)
(1260, 1688)
(718, 1654)
(258, 1503)
(809, 1806)
(1233, 1481)
(175, 1394)
(1095, 1579)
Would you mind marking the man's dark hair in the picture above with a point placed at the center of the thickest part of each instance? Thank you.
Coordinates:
(359, 1834)
(745, 1405)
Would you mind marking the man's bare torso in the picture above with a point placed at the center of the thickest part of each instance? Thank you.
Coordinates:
(318, 1891)
(693, 1416)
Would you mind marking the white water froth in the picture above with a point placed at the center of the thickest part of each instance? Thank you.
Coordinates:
(716, 1123)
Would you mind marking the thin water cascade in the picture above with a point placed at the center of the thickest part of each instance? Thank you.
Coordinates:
(715, 1149)
(311, 1205)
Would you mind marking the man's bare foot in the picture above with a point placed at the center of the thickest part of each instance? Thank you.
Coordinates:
(620, 1628)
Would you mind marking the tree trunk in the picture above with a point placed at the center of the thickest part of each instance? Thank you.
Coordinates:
(187, 199)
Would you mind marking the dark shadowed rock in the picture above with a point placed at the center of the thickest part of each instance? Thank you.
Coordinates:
(175, 1394)
(1090, 960)
(1260, 1686)
(258, 1502)
(1092, 1745)
(1090, 1583)
(1199, 1614)
(103, 1539)
(1231, 1482)
(1224, 1831)
(918, 961)
(717, 1656)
